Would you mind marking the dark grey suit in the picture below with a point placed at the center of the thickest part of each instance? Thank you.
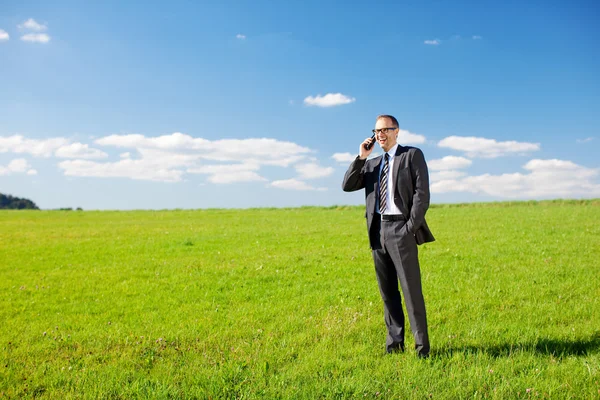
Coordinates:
(394, 243)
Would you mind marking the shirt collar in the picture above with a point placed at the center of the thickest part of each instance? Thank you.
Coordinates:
(392, 151)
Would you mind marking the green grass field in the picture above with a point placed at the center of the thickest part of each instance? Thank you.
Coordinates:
(283, 303)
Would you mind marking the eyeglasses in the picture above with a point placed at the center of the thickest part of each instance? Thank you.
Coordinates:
(383, 130)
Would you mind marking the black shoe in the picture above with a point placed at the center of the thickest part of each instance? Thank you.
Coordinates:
(422, 351)
(395, 349)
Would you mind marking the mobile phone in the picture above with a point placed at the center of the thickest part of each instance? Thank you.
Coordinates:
(369, 145)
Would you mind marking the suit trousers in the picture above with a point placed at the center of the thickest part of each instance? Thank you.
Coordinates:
(398, 259)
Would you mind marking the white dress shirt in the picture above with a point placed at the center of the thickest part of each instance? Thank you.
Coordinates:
(390, 207)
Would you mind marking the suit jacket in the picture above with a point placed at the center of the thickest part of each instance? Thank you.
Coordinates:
(410, 188)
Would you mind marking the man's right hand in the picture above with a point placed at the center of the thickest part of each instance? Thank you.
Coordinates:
(363, 153)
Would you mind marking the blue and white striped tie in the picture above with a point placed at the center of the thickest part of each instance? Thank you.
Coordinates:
(383, 184)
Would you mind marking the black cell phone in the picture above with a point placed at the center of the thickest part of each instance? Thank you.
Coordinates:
(369, 145)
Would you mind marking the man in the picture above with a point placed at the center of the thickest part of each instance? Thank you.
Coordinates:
(397, 197)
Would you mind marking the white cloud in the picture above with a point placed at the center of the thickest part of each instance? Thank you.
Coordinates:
(36, 38)
(406, 137)
(293, 184)
(176, 140)
(586, 140)
(329, 100)
(240, 36)
(445, 175)
(487, 148)
(79, 150)
(243, 176)
(59, 147)
(448, 163)
(17, 166)
(32, 25)
(437, 42)
(559, 166)
(229, 173)
(39, 148)
(313, 171)
(154, 164)
(142, 169)
(223, 168)
(344, 157)
(4, 35)
(546, 179)
(168, 157)
(261, 151)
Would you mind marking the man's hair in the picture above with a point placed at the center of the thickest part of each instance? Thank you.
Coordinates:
(394, 120)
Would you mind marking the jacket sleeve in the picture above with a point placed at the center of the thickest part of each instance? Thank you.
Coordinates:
(420, 200)
(354, 179)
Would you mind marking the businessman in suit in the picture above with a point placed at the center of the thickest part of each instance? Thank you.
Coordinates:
(397, 197)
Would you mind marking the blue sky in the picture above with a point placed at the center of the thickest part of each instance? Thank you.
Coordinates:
(180, 104)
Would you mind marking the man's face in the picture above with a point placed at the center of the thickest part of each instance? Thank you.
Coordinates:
(386, 138)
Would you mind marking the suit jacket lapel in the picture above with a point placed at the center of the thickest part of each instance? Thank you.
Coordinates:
(377, 161)
(396, 168)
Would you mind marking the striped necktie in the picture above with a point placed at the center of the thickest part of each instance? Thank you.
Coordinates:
(383, 184)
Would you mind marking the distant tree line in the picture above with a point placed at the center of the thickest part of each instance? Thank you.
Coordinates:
(16, 203)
